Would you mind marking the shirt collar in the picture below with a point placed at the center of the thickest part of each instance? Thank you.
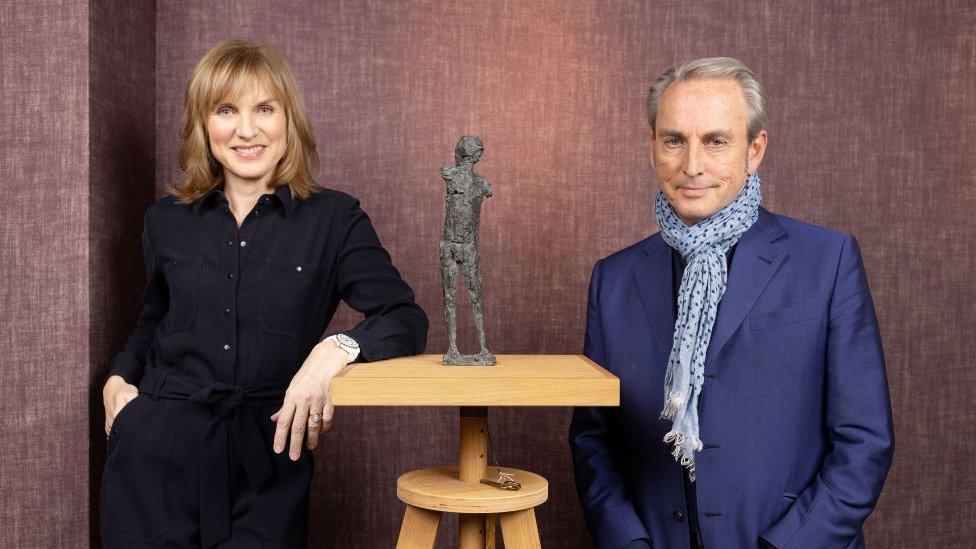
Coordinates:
(282, 194)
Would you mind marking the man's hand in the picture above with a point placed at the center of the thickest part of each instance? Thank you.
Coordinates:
(308, 396)
(116, 394)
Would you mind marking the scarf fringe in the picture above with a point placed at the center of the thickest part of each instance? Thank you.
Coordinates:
(686, 460)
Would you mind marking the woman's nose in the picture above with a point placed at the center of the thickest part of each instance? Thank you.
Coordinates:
(246, 129)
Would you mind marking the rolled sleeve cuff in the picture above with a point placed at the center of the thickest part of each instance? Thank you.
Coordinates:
(126, 365)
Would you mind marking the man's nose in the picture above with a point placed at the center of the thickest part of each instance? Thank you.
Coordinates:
(693, 161)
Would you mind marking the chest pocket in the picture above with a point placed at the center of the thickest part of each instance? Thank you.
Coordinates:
(788, 316)
(182, 280)
(287, 297)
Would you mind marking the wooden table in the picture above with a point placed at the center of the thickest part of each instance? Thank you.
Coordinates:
(516, 380)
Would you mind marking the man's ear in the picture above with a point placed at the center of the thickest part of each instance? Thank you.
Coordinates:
(757, 149)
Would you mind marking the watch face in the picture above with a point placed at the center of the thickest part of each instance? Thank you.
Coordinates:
(347, 341)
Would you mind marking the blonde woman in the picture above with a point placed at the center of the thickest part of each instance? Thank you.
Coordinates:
(221, 392)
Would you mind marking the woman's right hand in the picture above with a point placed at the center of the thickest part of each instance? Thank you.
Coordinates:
(116, 395)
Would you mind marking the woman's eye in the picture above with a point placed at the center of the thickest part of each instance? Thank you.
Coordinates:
(266, 109)
(223, 110)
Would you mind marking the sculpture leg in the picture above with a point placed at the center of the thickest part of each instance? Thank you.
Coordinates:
(473, 275)
(449, 272)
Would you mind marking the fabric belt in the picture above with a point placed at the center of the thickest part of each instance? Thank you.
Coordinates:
(232, 419)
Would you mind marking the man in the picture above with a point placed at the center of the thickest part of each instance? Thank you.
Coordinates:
(754, 406)
(465, 190)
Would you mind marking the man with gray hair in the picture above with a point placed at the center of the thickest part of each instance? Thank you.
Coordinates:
(754, 407)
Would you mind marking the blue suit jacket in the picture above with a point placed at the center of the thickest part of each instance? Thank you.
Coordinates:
(794, 413)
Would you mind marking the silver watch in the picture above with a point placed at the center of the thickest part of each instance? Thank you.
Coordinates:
(347, 344)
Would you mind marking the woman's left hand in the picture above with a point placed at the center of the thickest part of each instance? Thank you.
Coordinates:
(308, 394)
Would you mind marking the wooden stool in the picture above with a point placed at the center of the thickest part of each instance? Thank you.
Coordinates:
(430, 492)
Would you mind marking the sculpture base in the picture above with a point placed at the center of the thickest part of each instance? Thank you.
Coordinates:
(480, 359)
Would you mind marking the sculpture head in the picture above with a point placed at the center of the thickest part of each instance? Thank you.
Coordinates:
(468, 149)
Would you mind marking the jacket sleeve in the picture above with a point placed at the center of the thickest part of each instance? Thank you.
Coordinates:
(610, 514)
(830, 512)
(131, 361)
(394, 325)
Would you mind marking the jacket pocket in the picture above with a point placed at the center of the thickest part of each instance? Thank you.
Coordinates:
(786, 316)
(287, 297)
(182, 276)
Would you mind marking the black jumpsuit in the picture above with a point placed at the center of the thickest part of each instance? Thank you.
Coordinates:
(228, 317)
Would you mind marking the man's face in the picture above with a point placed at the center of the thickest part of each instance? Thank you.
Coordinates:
(700, 150)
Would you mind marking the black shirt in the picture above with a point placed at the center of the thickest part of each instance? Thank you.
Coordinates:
(678, 265)
(245, 306)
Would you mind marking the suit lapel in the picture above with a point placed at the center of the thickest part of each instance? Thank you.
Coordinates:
(757, 257)
(653, 275)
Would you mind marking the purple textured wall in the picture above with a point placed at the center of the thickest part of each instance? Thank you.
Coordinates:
(871, 118)
(44, 295)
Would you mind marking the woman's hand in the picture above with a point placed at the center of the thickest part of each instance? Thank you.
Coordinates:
(308, 394)
(116, 395)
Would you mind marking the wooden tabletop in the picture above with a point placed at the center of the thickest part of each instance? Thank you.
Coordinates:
(516, 380)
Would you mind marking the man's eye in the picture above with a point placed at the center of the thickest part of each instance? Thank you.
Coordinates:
(672, 142)
(716, 142)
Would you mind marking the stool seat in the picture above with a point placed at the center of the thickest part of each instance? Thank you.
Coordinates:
(439, 489)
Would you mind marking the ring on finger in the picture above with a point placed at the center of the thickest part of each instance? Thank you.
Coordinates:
(314, 418)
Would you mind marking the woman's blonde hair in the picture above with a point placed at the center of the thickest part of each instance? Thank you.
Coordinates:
(227, 71)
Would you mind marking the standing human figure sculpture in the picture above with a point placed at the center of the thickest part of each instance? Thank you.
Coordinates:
(465, 190)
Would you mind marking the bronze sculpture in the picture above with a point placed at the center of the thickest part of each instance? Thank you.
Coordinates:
(465, 191)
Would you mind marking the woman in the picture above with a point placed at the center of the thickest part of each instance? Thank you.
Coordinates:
(220, 393)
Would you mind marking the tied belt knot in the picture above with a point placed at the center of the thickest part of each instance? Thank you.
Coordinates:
(233, 425)
(222, 399)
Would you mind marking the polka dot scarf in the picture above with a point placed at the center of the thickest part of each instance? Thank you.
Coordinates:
(703, 246)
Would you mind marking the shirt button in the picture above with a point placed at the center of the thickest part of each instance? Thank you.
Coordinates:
(298, 268)
(230, 275)
(230, 242)
(226, 347)
(227, 310)
(679, 516)
(243, 243)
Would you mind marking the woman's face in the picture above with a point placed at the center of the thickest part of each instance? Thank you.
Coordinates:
(248, 136)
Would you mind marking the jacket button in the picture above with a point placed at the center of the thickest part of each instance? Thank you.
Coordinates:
(679, 516)
(226, 310)
(226, 347)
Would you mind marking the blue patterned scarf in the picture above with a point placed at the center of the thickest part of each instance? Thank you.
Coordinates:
(703, 247)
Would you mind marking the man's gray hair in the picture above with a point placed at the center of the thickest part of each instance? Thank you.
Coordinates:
(714, 67)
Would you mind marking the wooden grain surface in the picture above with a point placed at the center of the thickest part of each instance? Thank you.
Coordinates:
(517, 380)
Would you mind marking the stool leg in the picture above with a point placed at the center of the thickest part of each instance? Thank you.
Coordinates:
(419, 528)
(519, 530)
(471, 531)
(490, 531)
